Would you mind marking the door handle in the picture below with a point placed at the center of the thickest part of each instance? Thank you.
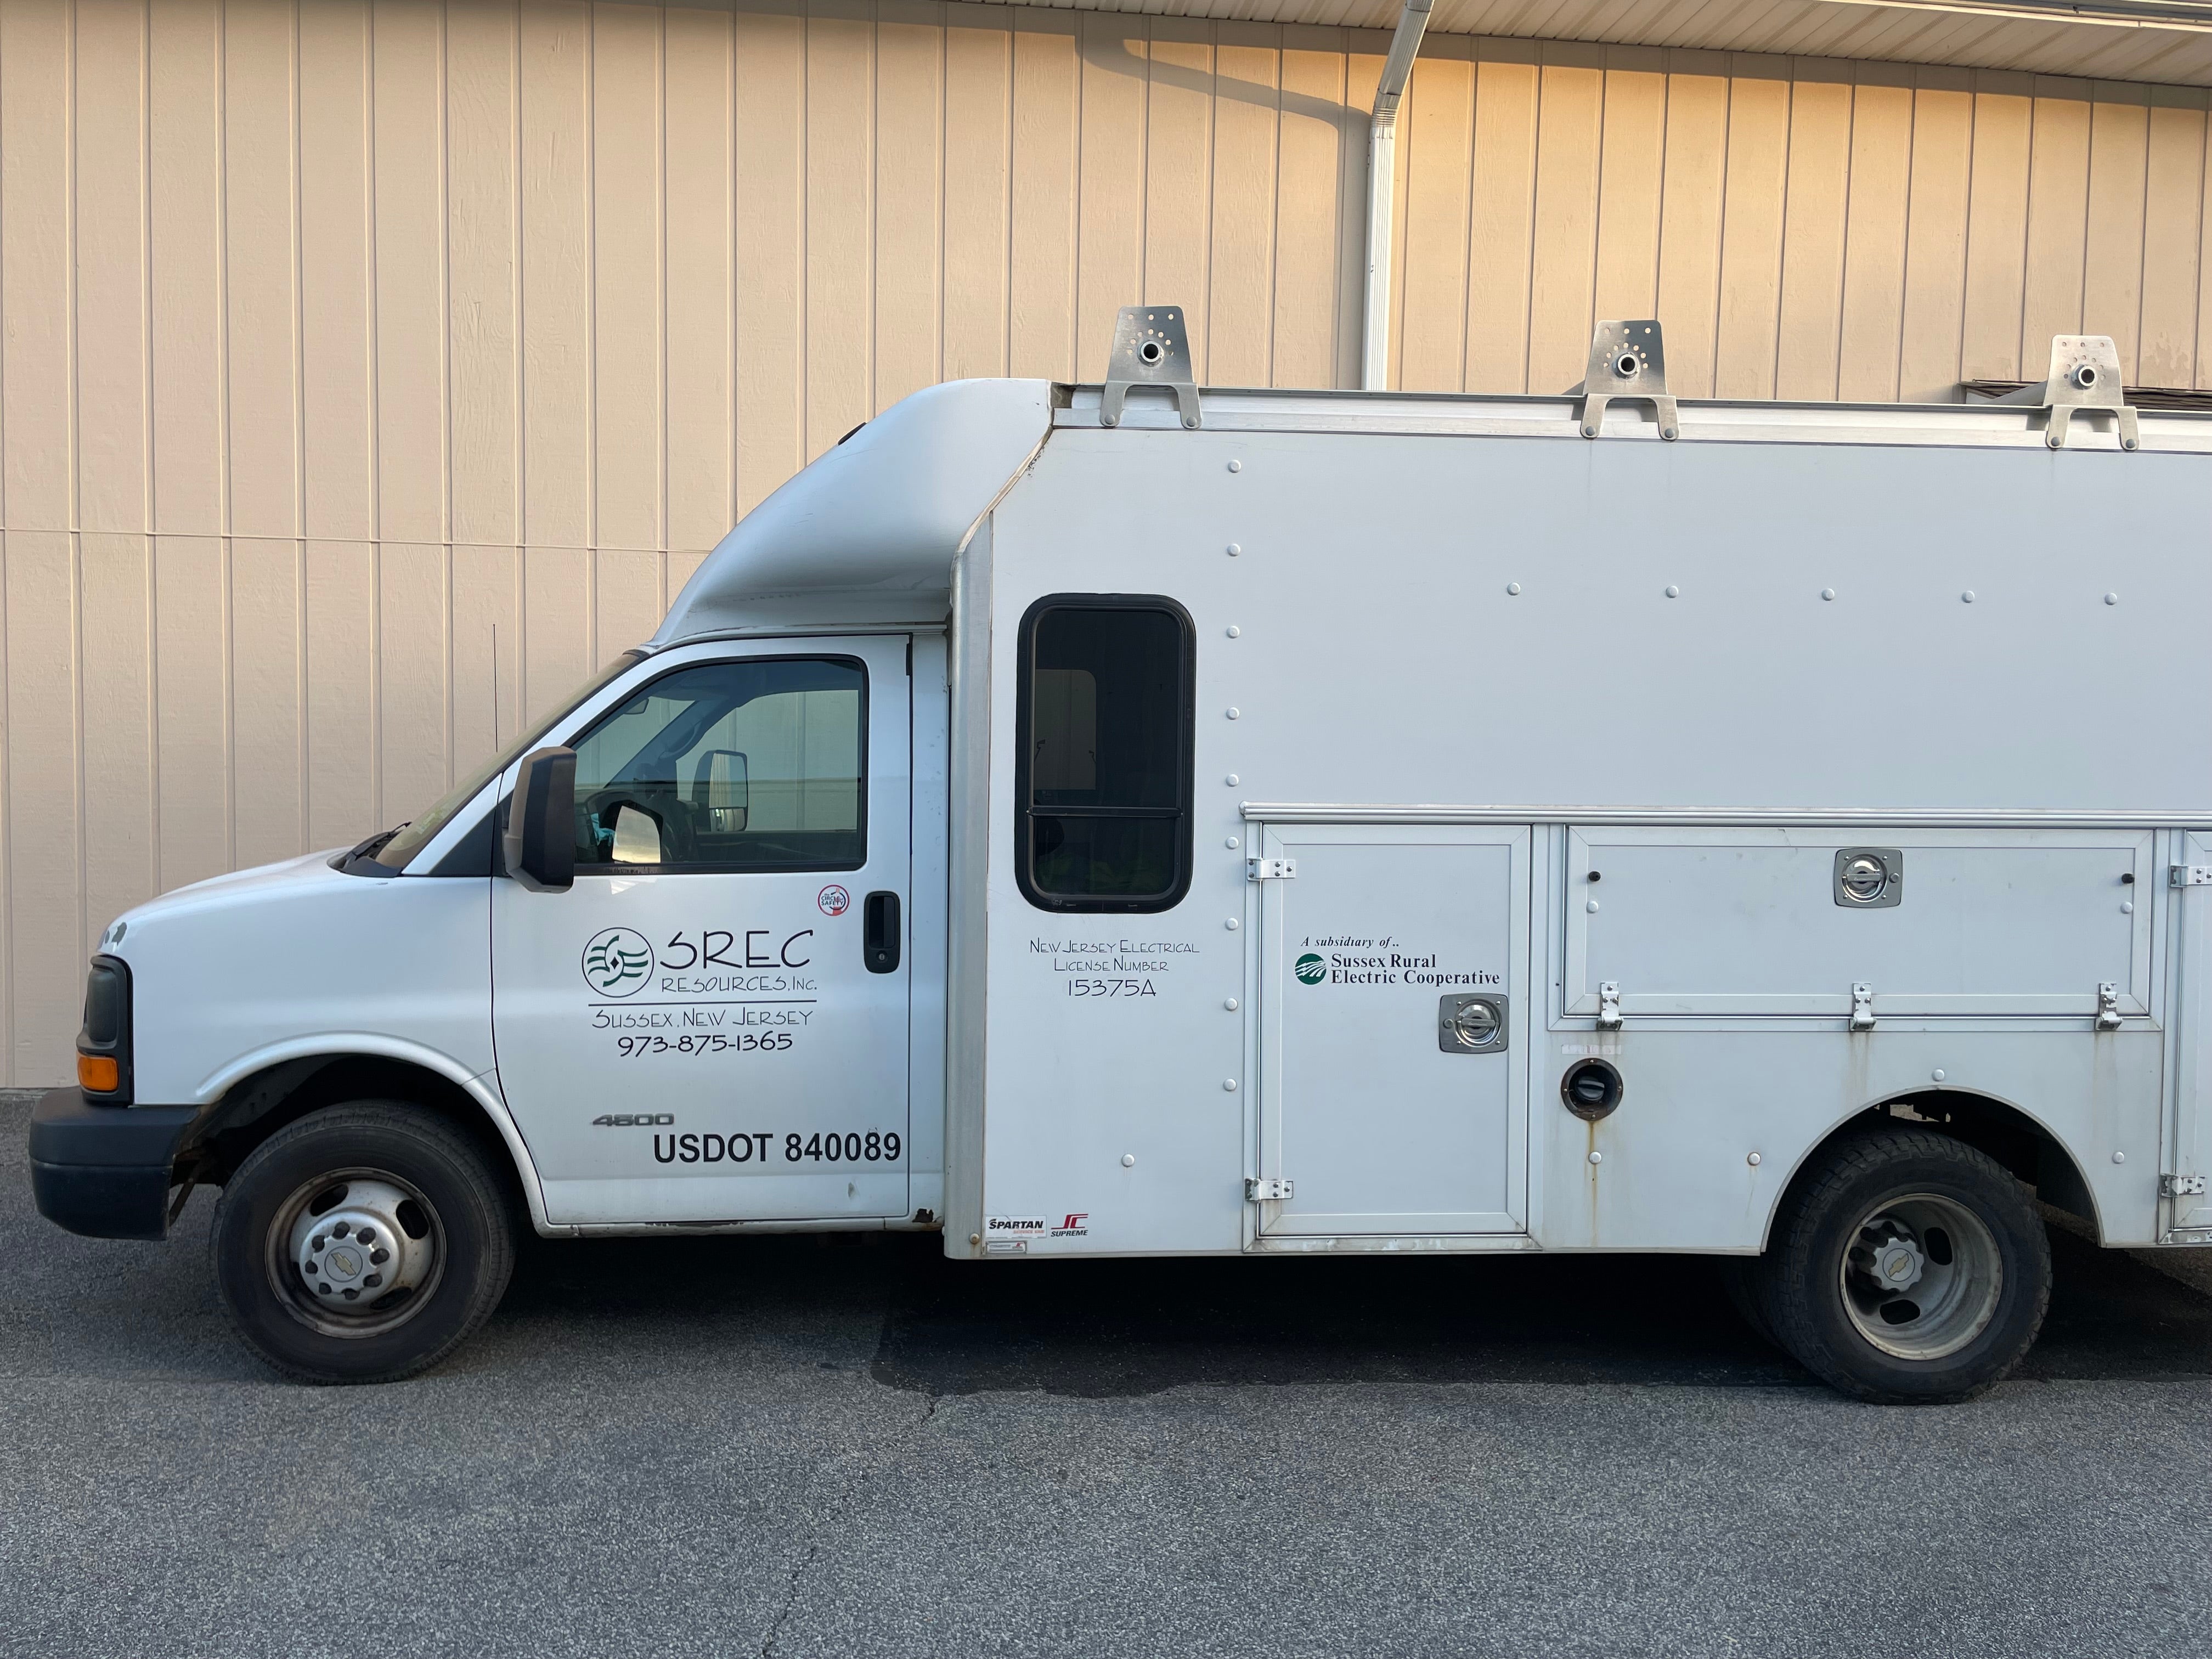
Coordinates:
(880, 932)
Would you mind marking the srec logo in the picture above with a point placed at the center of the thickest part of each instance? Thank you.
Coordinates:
(1310, 968)
(617, 962)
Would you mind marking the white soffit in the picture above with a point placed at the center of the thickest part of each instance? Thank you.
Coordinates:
(2167, 42)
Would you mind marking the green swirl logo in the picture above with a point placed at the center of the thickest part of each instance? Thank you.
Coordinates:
(617, 961)
(1310, 968)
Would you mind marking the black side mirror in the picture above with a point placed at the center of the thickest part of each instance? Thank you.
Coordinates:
(540, 838)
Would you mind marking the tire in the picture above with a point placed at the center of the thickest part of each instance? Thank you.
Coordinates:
(409, 1231)
(1966, 1259)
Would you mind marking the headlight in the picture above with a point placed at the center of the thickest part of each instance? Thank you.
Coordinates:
(103, 1047)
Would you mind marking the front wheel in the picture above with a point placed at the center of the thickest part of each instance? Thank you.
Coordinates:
(361, 1244)
(1907, 1268)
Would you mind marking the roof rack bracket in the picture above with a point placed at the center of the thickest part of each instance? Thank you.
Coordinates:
(1150, 348)
(1627, 365)
(2085, 374)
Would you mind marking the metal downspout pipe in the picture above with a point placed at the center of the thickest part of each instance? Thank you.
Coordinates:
(1382, 185)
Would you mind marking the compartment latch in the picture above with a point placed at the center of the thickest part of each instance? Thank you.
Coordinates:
(1862, 1007)
(2180, 1186)
(1268, 1190)
(1271, 869)
(1608, 1004)
(2108, 1005)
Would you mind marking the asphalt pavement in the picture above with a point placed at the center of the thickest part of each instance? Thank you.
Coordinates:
(849, 1446)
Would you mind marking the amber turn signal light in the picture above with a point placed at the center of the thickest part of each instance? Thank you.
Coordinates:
(97, 1073)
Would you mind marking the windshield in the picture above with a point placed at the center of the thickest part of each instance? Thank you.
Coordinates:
(410, 838)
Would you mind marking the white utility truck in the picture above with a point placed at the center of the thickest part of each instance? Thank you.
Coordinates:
(1115, 820)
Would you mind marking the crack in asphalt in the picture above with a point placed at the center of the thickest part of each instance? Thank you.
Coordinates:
(827, 1517)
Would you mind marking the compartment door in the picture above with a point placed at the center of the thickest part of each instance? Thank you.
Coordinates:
(1394, 1013)
(2191, 1151)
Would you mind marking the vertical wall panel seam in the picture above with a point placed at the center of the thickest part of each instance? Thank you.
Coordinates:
(1274, 212)
(2197, 308)
(1782, 241)
(1844, 249)
(146, 439)
(1007, 210)
(147, 494)
(1904, 257)
(375, 425)
(944, 163)
(731, 438)
(1720, 231)
(1466, 241)
(592, 329)
(660, 289)
(521, 296)
(805, 228)
(222, 437)
(444, 90)
(2020, 360)
(2143, 250)
(73, 415)
(1967, 233)
(7, 889)
(1529, 205)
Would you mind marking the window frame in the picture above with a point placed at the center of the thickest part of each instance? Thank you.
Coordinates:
(645, 688)
(1025, 809)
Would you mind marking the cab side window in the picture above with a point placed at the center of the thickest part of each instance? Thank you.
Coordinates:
(1104, 725)
(751, 765)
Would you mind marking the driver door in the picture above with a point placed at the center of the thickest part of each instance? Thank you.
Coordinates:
(711, 1024)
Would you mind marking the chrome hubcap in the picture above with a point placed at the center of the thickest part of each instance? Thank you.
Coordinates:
(1921, 1276)
(356, 1252)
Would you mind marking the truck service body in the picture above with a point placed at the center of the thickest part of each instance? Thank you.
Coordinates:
(1121, 819)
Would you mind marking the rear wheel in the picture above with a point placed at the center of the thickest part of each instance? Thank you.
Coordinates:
(1907, 1267)
(361, 1244)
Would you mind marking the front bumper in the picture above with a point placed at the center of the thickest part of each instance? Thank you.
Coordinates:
(104, 1170)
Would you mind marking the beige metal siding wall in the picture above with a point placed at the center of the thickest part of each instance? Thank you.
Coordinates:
(370, 372)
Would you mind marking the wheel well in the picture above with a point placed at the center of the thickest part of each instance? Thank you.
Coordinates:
(257, 1107)
(2005, 1133)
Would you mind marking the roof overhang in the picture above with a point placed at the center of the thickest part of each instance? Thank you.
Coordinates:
(2167, 42)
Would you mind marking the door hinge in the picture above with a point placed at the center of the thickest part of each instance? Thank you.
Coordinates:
(1271, 869)
(2108, 1005)
(1608, 1004)
(2189, 875)
(2175, 1186)
(1267, 1190)
(1862, 1007)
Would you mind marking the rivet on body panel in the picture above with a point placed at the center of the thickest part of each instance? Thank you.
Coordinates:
(1232, 924)
(1229, 1003)
(1234, 714)
(1231, 842)
(1827, 592)
(1235, 632)
(1230, 780)
(1128, 1160)
(1937, 1074)
(2111, 599)
(1235, 547)
(1752, 1160)
(1229, 1084)
(1236, 466)
(1513, 589)
(1597, 1157)
(2119, 1158)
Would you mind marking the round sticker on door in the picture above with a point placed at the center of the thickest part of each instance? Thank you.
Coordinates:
(834, 900)
(617, 962)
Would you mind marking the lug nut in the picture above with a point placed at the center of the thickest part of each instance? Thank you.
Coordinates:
(380, 1254)
(374, 1280)
(367, 1235)
(323, 1290)
(351, 1293)
(317, 1242)
(341, 1230)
